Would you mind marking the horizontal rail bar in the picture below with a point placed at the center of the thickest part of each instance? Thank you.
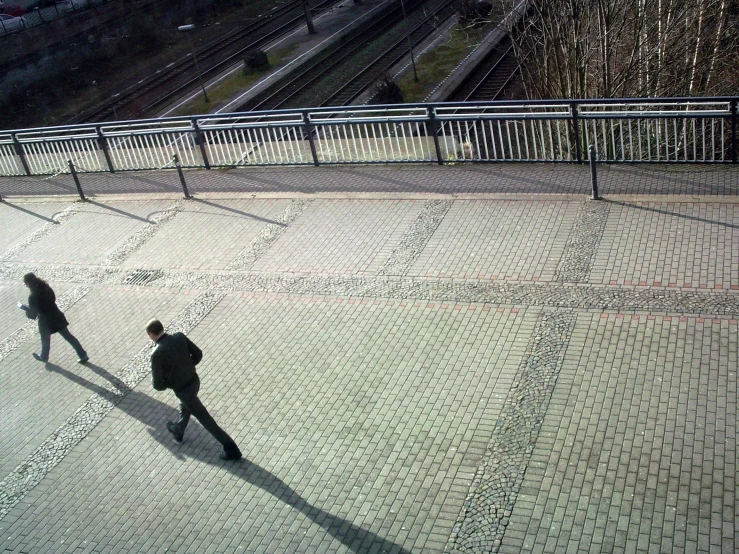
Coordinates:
(630, 130)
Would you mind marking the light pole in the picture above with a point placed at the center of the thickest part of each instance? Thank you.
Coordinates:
(186, 29)
(308, 18)
(408, 39)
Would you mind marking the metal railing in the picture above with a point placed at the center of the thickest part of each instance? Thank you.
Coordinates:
(668, 130)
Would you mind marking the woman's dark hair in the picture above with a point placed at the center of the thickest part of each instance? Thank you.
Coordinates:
(34, 283)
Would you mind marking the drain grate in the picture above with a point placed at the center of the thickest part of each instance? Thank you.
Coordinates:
(142, 276)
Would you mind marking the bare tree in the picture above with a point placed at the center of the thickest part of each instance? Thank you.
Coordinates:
(628, 48)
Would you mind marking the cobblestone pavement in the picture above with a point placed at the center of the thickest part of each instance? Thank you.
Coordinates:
(457, 359)
(470, 179)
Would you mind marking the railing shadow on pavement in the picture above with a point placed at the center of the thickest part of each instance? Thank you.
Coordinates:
(29, 212)
(152, 413)
(636, 206)
(117, 211)
(239, 212)
(422, 178)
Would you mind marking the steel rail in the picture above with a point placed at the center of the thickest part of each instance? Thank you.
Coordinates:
(277, 96)
(391, 56)
(489, 79)
(336, 57)
(213, 57)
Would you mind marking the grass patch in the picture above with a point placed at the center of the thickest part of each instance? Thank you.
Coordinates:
(230, 87)
(435, 65)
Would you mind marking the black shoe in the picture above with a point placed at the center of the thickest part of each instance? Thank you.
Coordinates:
(39, 358)
(232, 454)
(83, 359)
(176, 433)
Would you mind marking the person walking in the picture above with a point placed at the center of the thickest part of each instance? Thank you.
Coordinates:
(42, 306)
(173, 364)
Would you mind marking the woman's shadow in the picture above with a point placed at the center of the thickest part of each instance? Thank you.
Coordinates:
(153, 413)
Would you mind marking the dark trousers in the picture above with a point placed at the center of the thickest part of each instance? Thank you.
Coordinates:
(190, 404)
(66, 335)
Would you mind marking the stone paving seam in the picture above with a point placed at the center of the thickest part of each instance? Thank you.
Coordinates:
(30, 473)
(497, 482)
(415, 238)
(63, 273)
(41, 232)
(584, 297)
(268, 236)
(627, 298)
(579, 253)
(30, 329)
(135, 241)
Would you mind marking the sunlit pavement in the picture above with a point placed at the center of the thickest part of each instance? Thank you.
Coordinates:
(411, 359)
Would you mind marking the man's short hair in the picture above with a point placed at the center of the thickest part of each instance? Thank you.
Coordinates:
(155, 327)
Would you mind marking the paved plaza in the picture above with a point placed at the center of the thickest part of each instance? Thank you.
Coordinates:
(412, 359)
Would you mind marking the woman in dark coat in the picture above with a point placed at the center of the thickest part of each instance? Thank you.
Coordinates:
(42, 306)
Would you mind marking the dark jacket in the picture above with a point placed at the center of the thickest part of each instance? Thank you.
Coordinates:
(173, 362)
(42, 305)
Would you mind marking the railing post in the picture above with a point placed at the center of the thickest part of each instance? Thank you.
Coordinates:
(734, 138)
(435, 133)
(182, 175)
(103, 143)
(201, 142)
(73, 171)
(576, 125)
(309, 131)
(593, 173)
(20, 153)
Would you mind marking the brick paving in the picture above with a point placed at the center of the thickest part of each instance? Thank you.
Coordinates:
(400, 179)
(412, 359)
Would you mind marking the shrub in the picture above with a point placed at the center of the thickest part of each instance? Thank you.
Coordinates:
(255, 61)
(387, 92)
(474, 12)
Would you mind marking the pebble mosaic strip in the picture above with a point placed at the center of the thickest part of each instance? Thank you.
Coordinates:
(41, 232)
(497, 482)
(661, 300)
(27, 475)
(136, 240)
(30, 329)
(582, 244)
(415, 238)
(61, 273)
(246, 259)
(482, 523)
(572, 296)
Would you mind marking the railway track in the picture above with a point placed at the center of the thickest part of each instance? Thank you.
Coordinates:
(341, 66)
(393, 54)
(491, 77)
(155, 91)
(348, 68)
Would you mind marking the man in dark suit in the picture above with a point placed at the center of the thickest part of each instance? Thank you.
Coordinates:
(173, 364)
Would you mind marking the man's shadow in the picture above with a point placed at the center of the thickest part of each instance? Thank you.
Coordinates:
(153, 413)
